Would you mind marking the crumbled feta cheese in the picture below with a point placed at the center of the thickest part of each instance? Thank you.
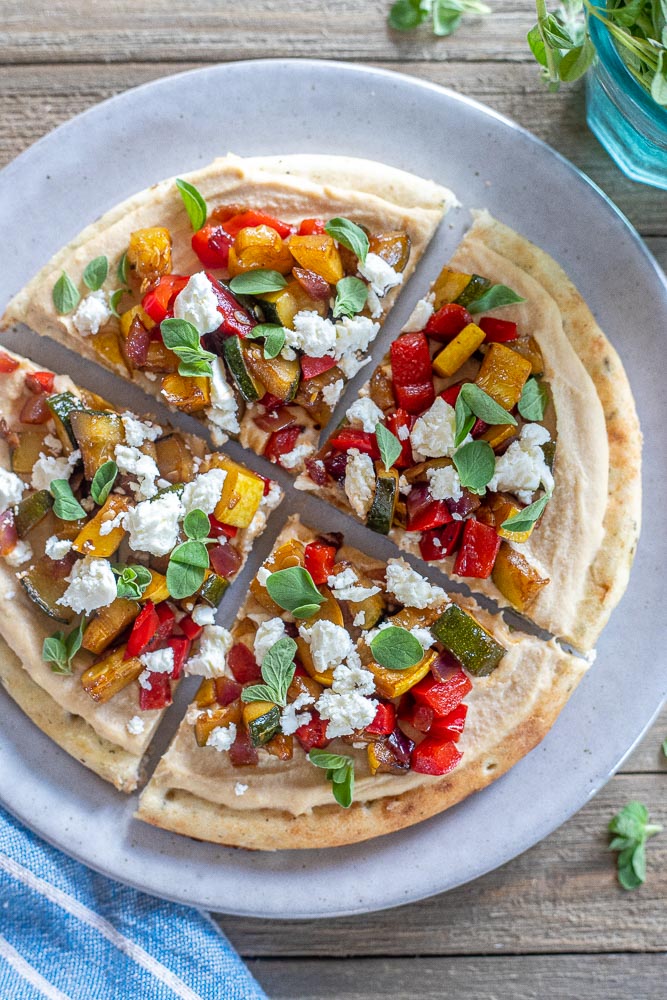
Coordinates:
(419, 317)
(312, 334)
(404, 486)
(57, 548)
(295, 458)
(345, 712)
(92, 585)
(53, 443)
(135, 726)
(410, 588)
(403, 432)
(437, 544)
(379, 274)
(444, 483)
(153, 524)
(47, 468)
(92, 312)
(133, 462)
(332, 393)
(351, 676)
(351, 364)
(423, 636)
(204, 492)
(288, 354)
(88, 504)
(11, 489)
(354, 333)
(365, 413)
(240, 788)
(202, 614)
(359, 481)
(222, 737)
(523, 468)
(160, 661)
(346, 587)
(263, 575)
(359, 620)
(198, 304)
(373, 303)
(329, 643)
(267, 504)
(266, 636)
(433, 433)
(291, 718)
(224, 408)
(210, 658)
(20, 554)
(138, 431)
(109, 524)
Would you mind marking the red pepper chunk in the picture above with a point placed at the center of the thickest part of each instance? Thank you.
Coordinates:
(433, 756)
(218, 529)
(180, 646)
(243, 664)
(39, 381)
(167, 621)
(498, 331)
(451, 727)
(447, 322)
(211, 244)
(451, 394)
(159, 301)
(252, 219)
(350, 437)
(189, 628)
(226, 690)
(478, 550)
(319, 560)
(7, 364)
(442, 696)
(234, 318)
(398, 423)
(384, 721)
(312, 227)
(415, 398)
(425, 513)
(158, 695)
(419, 716)
(410, 360)
(281, 442)
(145, 626)
(310, 367)
(313, 734)
(440, 542)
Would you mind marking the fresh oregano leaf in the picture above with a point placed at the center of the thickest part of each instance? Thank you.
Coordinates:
(534, 399)
(257, 282)
(631, 829)
(340, 771)
(350, 235)
(483, 406)
(95, 273)
(408, 14)
(196, 525)
(131, 581)
(187, 569)
(60, 649)
(389, 445)
(194, 203)
(351, 295)
(494, 298)
(396, 649)
(465, 420)
(183, 339)
(65, 295)
(526, 518)
(475, 464)
(103, 481)
(293, 590)
(65, 504)
(122, 271)
(114, 300)
(306, 610)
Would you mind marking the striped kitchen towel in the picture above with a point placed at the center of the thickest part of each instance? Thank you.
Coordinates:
(67, 933)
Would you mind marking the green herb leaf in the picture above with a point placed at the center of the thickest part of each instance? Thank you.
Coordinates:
(122, 271)
(60, 649)
(408, 14)
(114, 299)
(494, 298)
(65, 504)
(396, 649)
(475, 464)
(194, 203)
(526, 518)
(351, 295)
(534, 399)
(65, 295)
(187, 568)
(350, 235)
(196, 525)
(95, 273)
(274, 337)
(659, 81)
(483, 406)
(465, 420)
(183, 339)
(389, 445)
(632, 830)
(340, 771)
(132, 581)
(574, 63)
(664, 748)
(257, 282)
(293, 590)
(277, 672)
(103, 481)
(446, 17)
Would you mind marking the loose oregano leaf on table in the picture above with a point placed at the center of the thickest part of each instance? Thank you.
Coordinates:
(293, 590)
(631, 829)
(396, 648)
(257, 282)
(340, 772)
(65, 295)
(350, 235)
(534, 399)
(194, 203)
(351, 296)
(65, 504)
(183, 339)
(95, 273)
(389, 445)
(60, 649)
(475, 463)
(277, 673)
(103, 481)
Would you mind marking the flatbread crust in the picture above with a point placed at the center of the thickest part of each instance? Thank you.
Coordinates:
(587, 537)
(291, 187)
(288, 804)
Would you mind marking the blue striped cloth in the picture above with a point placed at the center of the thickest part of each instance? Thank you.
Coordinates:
(67, 933)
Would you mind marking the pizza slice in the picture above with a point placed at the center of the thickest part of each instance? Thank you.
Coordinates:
(118, 538)
(499, 439)
(246, 293)
(355, 698)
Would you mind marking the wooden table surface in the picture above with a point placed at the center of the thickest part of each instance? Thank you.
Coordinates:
(551, 923)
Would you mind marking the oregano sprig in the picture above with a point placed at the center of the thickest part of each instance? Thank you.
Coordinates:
(340, 772)
(60, 648)
(631, 830)
(183, 339)
(277, 668)
(194, 203)
(65, 504)
(131, 581)
(389, 445)
(102, 482)
(190, 560)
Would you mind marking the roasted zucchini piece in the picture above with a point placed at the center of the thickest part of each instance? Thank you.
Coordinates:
(515, 578)
(380, 517)
(44, 583)
(27, 451)
(473, 290)
(31, 510)
(281, 307)
(62, 405)
(236, 357)
(174, 460)
(468, 641)
(108, 624)
(96, 433)
(213, 589)
(90, 541)
(105, 679)
(278, 376)
(206, 723)
(262, 720)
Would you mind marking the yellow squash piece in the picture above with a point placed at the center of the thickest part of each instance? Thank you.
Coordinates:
(187, 393)
(108, 624)
(515, 578)
(393, 246)
(242, 493)
(503, 508)
(318, 253)
(286, 303)
(259, 247)
(126, 318)
(330, 611)
(157, 589)
(149, 254)
(458, 350)
(448, 286)
(503, 375)
(107, 344)
(205, 723)
(495, 436)
(97, 435)
(105, 679)
(91, 541)
(393, 683)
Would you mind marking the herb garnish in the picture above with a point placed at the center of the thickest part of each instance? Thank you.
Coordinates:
(274, 337)
(115, 298)
(475, 463)
(493, 298)
(340, 772)
(95, 273)
(632, 829)
(396, 648)
(293, 590)
(103, 481)
(389, 445)
(59, 649)
(257, 282)
(122, 271)
(526, 518)
(350, 235)
(445, 14)
(65, 504)
(183, 339)
(189, 560)
(132, 581)
(534, 399)
(65, 294)
(277, 673)
(194, 203)
(473, 402)
(351, 296)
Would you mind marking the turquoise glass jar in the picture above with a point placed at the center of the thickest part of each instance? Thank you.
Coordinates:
(623, 116)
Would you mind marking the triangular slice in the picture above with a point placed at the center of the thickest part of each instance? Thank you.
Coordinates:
(260, 226)
(555, 415)
(67, 549)
(417, 739)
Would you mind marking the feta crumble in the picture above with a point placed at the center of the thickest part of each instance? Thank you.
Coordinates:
(210, 658)
(523, 468)
(202, 614)
(47, 468)
(291, 718)
(137, 432)
(444, 483)
(332, 393)
(379, 274)
(204, 492)
(295, 458)
(222, 737)
(365, 413)
(11, 489)
(53, 443)
(263, 575)
(359, 481)
(419, 317)
(354, 333)
(223, 413)
(434, 432)
(267, 635)
(345, 712)
(312, 334)
(240, 788)
(410, 588)
(92, 585)
(329, 643)
(197, 303)
(346, 587)
(92, 313)
(133, 462)
(351, 364)
(20, 554)
(57, 548)
(135, 726)
(153, 524)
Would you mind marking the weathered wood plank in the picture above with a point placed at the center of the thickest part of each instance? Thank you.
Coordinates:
(34, 100)
(609, 977)
(561, 896)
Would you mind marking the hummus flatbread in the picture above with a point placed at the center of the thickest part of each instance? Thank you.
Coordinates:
(585, 540)
(285, 804)
(95, 732)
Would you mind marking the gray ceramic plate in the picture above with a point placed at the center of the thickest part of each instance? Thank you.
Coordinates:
(182, 122)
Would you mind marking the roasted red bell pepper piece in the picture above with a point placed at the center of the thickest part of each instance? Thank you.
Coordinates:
(313, 733)
(433, 756)
(478, 550)
(218, 529)
(425, 513)
(226, 690)
(450, 726)
(234, 318)
(35, 410)
(410, 360)
(498, 331)
(349, 437)
(242, 753)
(451, 394)
(401, 423)
(180, 645)
(160, 300)
(243, 664)
(145, 626)
(167, 622)
(415, 398)
(441, 542)
(419, 716)
(319, 560)
(447, 322)
(281, 442)
(7, 364)
(158, 695)
(251, 219)
(190, 628)
(384, 721)
(312, 227)
(310, 367)
(211, 243)
(442, 696)
(39, 381)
